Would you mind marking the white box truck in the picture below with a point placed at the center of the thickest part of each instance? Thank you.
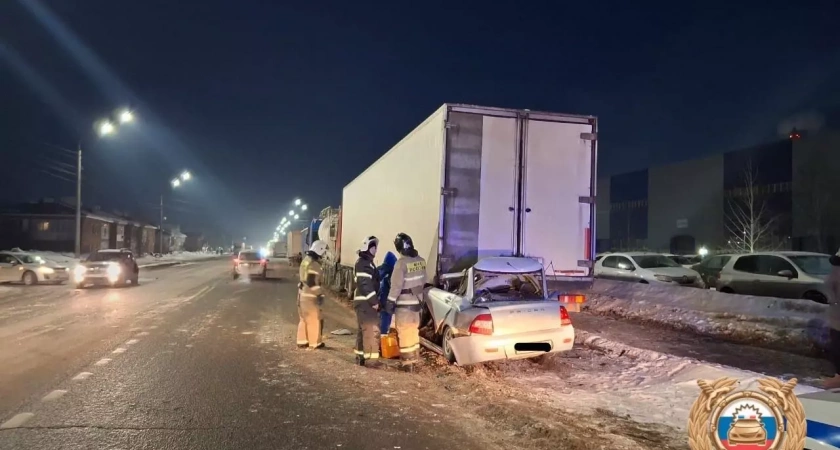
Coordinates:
(472, 181)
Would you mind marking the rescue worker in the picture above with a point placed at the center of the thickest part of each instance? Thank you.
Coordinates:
(366, 302)
(407, 284)
(311, 297)
(385, 271)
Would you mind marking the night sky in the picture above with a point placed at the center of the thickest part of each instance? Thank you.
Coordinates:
(267, 100)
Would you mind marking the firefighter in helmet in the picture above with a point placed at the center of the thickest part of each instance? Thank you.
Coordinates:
(404, 297)
(366, 302)
(311, 297)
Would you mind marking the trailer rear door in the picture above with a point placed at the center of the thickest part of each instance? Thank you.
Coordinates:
(558, 192)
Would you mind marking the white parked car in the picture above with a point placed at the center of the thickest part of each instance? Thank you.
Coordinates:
(647, 268)
(497, 309)
(822, 411)
(30, 269)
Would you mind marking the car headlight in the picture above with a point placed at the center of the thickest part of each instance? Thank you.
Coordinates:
(47, 270)
(663, 278)
(114, 270)
(79, 271)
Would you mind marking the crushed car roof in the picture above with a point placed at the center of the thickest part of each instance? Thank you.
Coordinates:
(508, 264)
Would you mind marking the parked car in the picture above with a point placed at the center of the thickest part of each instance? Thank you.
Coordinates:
(497, 309)
(30, 269)
(686, 261)
(108, 267)
(822, 411)
(249, 263)
(769, 274)
(647, 268)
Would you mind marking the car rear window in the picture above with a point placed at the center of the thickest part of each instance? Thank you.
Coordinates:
(249, 256)
(105, 256)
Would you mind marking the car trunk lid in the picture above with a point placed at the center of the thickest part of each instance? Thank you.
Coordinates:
(510, 317)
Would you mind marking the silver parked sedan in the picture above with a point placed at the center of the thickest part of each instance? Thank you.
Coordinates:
(498, 309)
(648, 268)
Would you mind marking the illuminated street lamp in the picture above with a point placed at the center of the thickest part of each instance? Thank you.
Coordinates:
(297, 217)
(303, 208)
(106, 128)
(291, 213)
(176, 182)
(297, 202)
(126, 116)
(103, 128)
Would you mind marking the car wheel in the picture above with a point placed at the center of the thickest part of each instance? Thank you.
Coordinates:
(815, 296)
(29, 278)
(643, 281)
(727, 290)
(235, 276)
(448, 335)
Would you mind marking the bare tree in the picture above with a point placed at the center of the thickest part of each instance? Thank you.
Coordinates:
(750, 224)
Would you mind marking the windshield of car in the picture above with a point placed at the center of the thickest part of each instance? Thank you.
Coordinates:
(28, 259)
(249, 256)
(104, 256)
(654, 261)
(509, 286)
(812, 264)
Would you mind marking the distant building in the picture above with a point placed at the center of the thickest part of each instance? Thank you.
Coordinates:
(194, 242)
(684, 206)
(50, 225)
(174, 239)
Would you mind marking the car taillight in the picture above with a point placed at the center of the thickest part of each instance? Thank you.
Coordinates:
(564, 317)
(483, 324)
(571, 298)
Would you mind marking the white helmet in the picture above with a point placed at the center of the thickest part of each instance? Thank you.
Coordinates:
(318, 247)
(368, 242)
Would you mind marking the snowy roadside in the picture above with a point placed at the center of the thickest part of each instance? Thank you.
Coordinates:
(786, 324)
(601, 375)
(68, 260)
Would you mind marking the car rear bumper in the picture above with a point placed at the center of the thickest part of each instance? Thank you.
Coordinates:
(477, 348)
(249, 270)
(55, 277)
(96, 279)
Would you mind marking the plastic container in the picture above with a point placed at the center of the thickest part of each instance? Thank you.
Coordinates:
(390, 347)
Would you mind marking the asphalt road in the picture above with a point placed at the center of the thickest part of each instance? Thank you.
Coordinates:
(193, 359)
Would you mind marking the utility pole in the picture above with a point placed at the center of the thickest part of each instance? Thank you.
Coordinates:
(79, 201)
(160, 245)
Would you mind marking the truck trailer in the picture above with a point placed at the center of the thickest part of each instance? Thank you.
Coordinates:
(471, 182)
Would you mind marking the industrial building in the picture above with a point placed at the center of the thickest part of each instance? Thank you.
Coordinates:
(682, 207)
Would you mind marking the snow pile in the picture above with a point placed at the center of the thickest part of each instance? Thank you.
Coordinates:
(602, 375)
(68, 259)
(787, 324)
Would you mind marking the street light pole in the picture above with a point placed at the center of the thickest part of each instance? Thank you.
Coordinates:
(160, 242)
(79, 201)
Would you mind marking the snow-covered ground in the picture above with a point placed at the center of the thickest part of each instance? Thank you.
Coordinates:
(601, 375)
(68, 260)
(790, 324)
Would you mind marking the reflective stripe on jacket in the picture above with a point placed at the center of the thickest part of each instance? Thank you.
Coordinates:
(367, 280)
(311, 276)
(407, 281)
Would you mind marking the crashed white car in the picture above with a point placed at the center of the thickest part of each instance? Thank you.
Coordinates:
(822, 412)
(497, 309)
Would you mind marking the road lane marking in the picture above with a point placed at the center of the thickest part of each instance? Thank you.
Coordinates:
(102, 362)
(118, 350)
(143, 333)
(247, 332)
(54, 395)
(82, 376)
(17, 421)
(132, 341)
